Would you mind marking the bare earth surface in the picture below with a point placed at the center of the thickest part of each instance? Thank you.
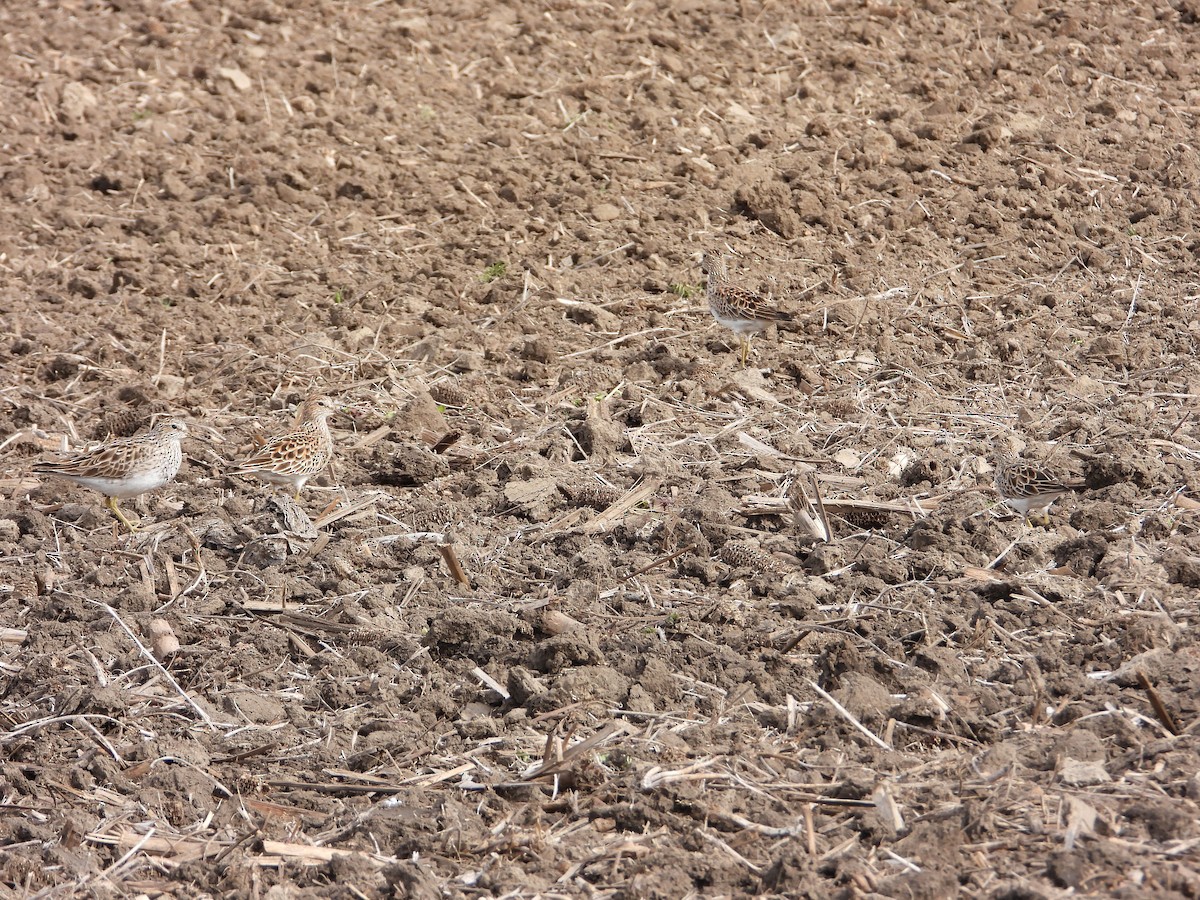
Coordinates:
(479, 225)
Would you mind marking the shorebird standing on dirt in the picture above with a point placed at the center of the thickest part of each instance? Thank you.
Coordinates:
(127, 467)
(1025, 486)
(292, 458)
(739, 309)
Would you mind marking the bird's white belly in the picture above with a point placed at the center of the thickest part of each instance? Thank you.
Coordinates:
(276, 478)
(1025, 505)
(130, 486)
(742, 326)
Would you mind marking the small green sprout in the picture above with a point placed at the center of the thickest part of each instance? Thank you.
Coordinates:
(684, 290)
(494, 271)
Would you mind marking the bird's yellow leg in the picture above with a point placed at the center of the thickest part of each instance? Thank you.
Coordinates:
(745, 350)
(111, 503)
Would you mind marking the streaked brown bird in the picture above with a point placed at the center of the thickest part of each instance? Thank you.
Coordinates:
(741, 310)
(1027, 487)
(292, 458)
(127, 467)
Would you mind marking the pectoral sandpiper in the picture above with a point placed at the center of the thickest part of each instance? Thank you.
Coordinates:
(741, 310)
(127, 467)
(292, 458)
(1027, 487)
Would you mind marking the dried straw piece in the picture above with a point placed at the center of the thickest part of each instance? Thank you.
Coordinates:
(713, 839)
(556, 760)
(489, 682)
(450, 558)
(1160, 708)
(849, 717)
(806, 514)
(662, 560)
(445, 442)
